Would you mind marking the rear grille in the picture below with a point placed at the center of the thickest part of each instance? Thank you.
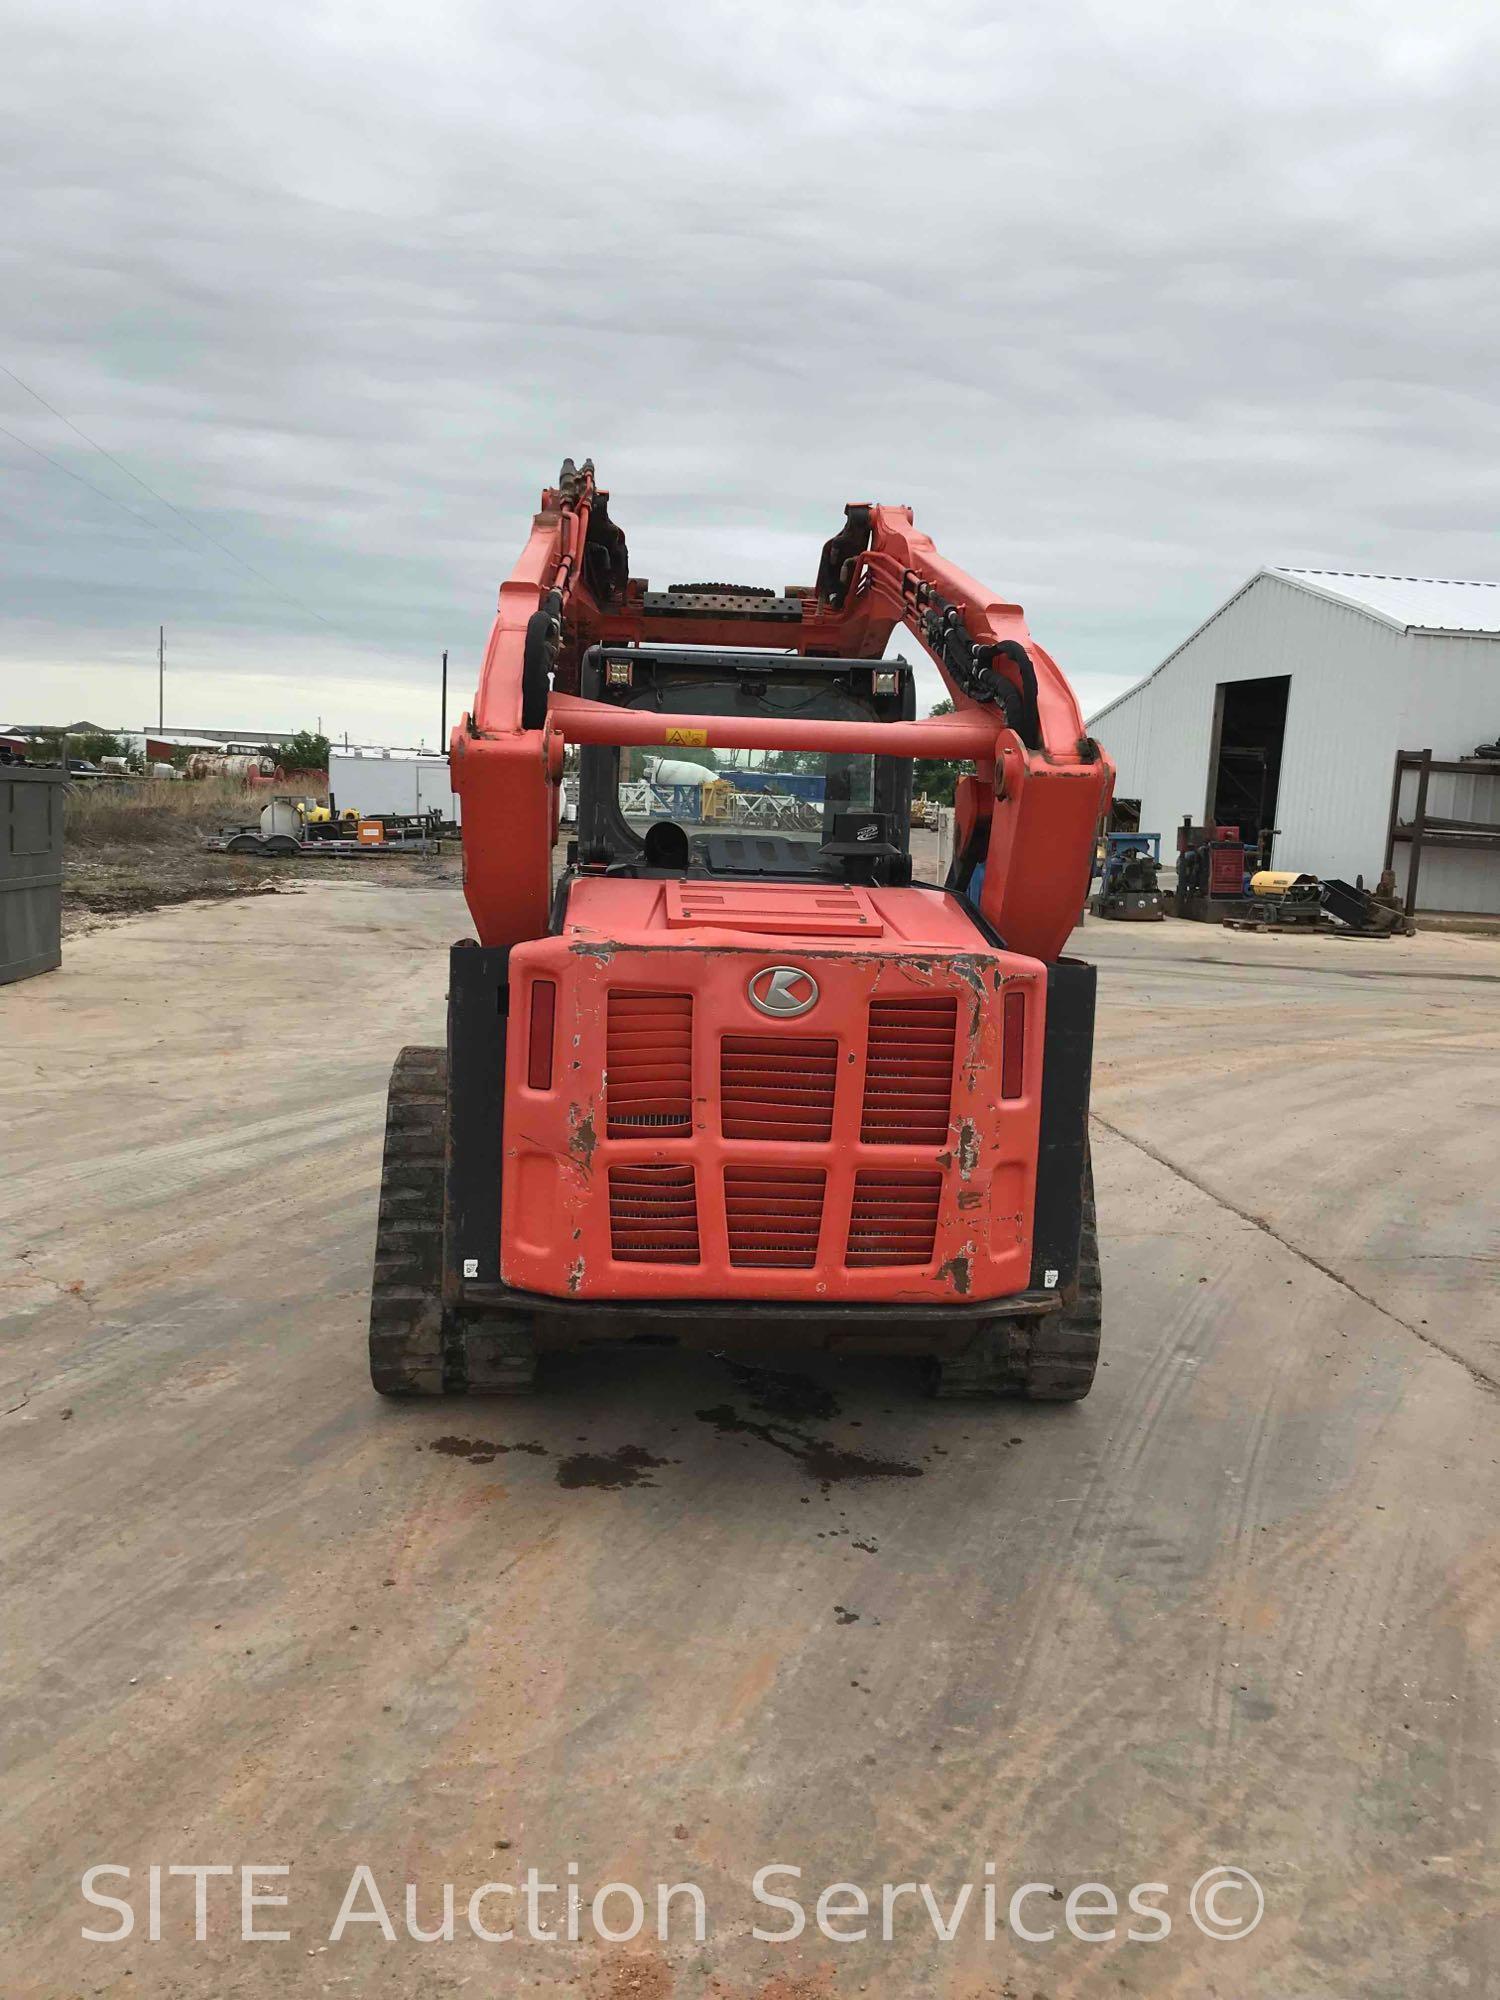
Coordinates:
(773, 1215)
(653, 1215)
(909, 1071)
(778, 1086)
(894, 1217)
(648, 1066)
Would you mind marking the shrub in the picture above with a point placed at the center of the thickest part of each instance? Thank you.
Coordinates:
(303, 752)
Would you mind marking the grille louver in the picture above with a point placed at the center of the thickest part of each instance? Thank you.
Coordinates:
(649, 1066)
(894, 1217)
(653, 1215)
(909, 1071)
(778, 1086)
(773, 1215)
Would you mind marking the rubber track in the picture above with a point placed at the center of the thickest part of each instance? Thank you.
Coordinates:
(1050, 1359)
(1064, 1347)
(415, 1348)
(406, 1309)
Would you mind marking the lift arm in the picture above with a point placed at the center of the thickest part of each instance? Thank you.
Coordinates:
(1029, 811)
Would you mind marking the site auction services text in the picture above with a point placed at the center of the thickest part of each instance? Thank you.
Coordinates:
(255, 1901)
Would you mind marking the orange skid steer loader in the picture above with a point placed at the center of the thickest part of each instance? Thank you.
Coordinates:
(744, 1079)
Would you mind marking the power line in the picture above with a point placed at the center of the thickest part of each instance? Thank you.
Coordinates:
(145, 487)
(133, 512)
(160, 528)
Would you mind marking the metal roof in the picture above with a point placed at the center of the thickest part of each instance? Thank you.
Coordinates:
(1410, 603)
(1407, 603)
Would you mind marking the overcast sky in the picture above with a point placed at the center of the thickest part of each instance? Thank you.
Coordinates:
(1125, 300)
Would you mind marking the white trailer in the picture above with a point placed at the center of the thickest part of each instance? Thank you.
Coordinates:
(391, 781)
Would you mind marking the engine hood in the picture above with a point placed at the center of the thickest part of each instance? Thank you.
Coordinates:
(614, 911)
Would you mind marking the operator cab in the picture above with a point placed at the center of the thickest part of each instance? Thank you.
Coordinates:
(679, 810)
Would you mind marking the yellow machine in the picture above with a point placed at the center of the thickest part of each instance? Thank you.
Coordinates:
(313, 813)
(1283, 899)
(1283, 882)
(717, 792)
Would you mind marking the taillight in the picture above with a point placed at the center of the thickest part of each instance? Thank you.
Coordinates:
(1013, 1042)
(543, 1014)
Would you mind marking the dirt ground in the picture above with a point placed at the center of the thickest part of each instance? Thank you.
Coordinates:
(1239, 1609)
(105, 883)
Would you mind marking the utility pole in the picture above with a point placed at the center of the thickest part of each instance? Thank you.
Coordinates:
(161, 677)
(442, 742)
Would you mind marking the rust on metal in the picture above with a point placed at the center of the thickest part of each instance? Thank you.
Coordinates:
(958, 1270)
(582, 1136)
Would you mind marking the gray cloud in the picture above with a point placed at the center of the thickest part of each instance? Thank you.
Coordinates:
(1124, 302)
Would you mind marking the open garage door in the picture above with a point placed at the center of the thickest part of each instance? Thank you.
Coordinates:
(1244, 772)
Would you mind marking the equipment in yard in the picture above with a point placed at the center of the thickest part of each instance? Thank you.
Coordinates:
(720, 1084)
(1211, 866)
(1285, 900)
(1361, 914)
(290, 826)
(280, 816)
(1128, 888)
(672, 771)
(326, 822)
(249, 768)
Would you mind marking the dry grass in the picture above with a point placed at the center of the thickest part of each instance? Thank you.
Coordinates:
(157, 812)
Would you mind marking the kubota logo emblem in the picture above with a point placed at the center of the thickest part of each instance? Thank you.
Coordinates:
(783, 990)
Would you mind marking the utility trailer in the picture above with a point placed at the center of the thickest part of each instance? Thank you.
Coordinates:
(301, 826)
(760, 1089)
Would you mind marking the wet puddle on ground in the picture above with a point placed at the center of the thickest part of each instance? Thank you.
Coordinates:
(787, 1404)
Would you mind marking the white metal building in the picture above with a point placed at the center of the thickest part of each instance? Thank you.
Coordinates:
(391, 781)
(1288, 707)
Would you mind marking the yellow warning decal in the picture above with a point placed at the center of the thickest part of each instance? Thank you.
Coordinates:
(697, 737)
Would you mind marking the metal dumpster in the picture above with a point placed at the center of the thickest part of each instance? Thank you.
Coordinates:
(31, 861)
